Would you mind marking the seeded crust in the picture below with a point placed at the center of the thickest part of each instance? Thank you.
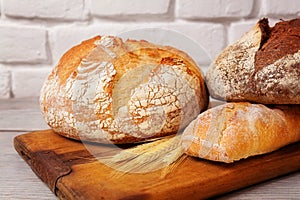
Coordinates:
(263, 66)
(106, 90)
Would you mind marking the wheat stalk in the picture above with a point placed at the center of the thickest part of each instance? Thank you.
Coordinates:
(131, 153)
(148, 157)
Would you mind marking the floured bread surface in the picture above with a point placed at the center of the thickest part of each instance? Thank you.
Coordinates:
(238, 130)
(263, 66)
(107, 90)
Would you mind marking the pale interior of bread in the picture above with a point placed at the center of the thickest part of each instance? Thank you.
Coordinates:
(122, 89)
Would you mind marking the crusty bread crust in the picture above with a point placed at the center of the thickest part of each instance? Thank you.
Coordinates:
(263, 66)
(234, 131)
(107, 90)
(72, 58)
(277, 41)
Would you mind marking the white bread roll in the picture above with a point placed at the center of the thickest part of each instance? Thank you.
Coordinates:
(263, 66)
(107, 90)
(234, 131)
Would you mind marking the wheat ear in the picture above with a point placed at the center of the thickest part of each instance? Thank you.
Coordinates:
(148, 157)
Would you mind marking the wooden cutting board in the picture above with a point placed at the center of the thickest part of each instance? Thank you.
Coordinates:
(71, 172)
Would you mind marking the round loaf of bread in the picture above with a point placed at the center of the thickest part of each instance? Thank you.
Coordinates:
(106, 90)
(263, 66)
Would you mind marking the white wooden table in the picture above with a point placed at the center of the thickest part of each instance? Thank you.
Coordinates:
(17, 181)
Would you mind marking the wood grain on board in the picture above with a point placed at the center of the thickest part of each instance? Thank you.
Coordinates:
(72, 172)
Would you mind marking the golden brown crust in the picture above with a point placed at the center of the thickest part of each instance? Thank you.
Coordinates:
(107, 90)
(72, 58)
(234, 131)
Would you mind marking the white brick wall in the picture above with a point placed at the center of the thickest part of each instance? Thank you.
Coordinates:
(107, 8)
(27, 82)
(35, 33)
(237, 29)
(22, 44)
(197, 9)
(5, 80)
(48, 9)
(280, 8)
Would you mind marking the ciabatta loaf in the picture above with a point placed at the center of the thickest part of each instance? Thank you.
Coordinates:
(107, 90)
(263, 66)
(233, 131)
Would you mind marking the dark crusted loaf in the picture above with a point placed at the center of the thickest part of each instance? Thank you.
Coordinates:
(263, 66)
